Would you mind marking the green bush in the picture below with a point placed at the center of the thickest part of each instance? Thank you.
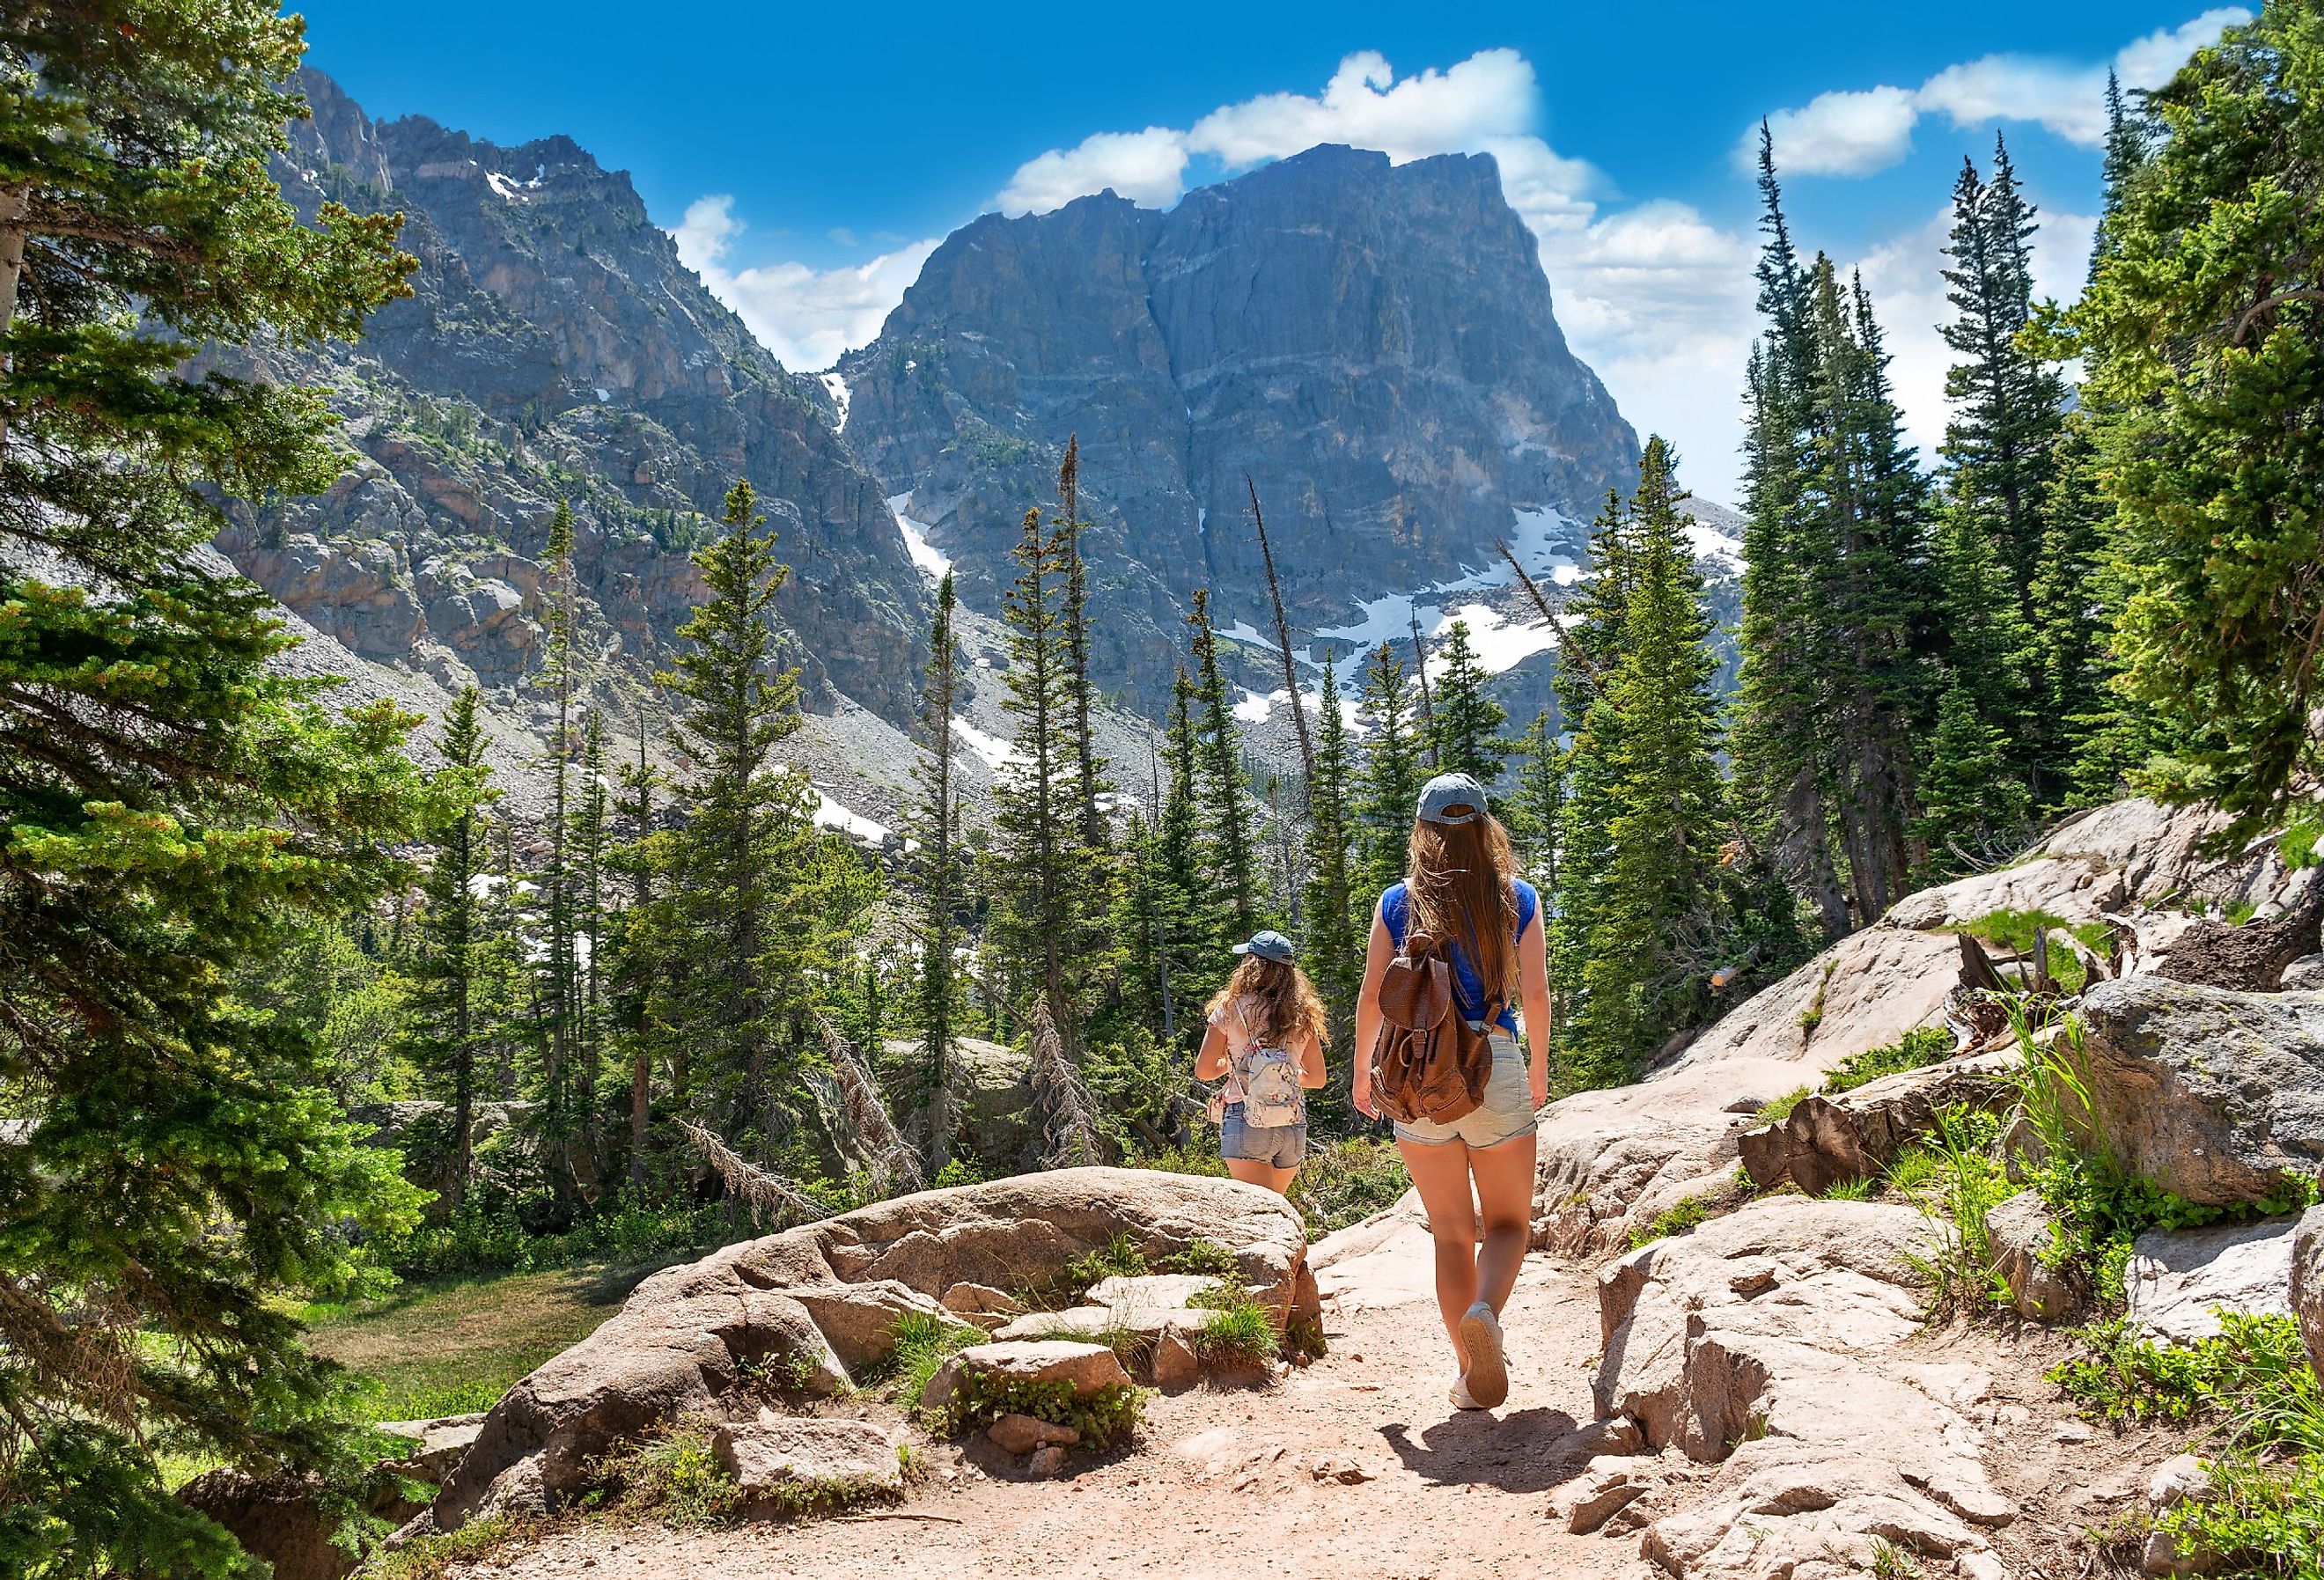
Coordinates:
(1958, 1184)
(1919, 1046)
(1105, 1418)
(922, 1344)
(1238, 1331)
(672, 1476)
(1676, 1219)
(1776, 1110)
(1347, 1182)
(499, 1232)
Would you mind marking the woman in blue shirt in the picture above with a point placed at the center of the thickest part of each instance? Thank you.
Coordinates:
(1460, 885)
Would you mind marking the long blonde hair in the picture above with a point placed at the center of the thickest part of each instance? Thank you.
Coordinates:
(1457, 879)
(1286, 1001)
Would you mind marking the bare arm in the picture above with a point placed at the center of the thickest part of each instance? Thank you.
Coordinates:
(1377, 955)
(1312, 1072)
(1211, 1063)
(1533, 982)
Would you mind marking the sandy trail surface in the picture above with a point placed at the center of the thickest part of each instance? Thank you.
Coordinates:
(1355, 1465)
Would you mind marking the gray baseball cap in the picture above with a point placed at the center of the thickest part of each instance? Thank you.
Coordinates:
(1270, 945)
(1453, 800)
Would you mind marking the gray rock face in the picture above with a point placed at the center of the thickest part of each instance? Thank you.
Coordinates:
(2179, 1279)
(555, 347)
(1373, 345)
(2308, 1284)
(2214, 1094)
(2023, 1232)
(1825, 1140)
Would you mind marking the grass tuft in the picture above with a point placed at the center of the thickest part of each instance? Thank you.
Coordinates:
(1676, 1219)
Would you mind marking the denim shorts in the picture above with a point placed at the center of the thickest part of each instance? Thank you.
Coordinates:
(1504, 1114)
(1282, 1146)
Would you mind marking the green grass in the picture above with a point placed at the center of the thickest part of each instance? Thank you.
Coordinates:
(448, 1346)
(1961, 1182)
(1776, 1110)
(1849, 1190)
(1343, 1181)
(2015, 929)
(923, 1343)
(1241, 1334)
(1676, 1219)
(1917, 1049)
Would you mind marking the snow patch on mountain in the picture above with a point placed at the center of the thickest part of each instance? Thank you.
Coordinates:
(932, 560)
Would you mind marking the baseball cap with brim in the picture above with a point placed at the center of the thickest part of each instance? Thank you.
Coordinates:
(1270, 945)
(1453, 800)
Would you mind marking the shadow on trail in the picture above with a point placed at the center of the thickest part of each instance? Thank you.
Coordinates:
(1524, 1451)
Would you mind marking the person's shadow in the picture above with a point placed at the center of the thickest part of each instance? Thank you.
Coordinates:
(1524, 1451)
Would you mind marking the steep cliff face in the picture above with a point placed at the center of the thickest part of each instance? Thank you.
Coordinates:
(556, 348)
(1372, 344)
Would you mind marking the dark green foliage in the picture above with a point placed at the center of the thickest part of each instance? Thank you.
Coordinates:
(939, 878)
(1921, 1045)
(2199, 330)
(1388, 785)
(1233, 856)
(1465, 723)
(1334, 944)
(175, 809)
(1103, 1419)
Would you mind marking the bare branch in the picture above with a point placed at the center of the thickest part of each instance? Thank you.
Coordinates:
(769, 1196)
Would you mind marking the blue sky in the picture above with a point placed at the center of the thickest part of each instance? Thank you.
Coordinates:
(808, 157)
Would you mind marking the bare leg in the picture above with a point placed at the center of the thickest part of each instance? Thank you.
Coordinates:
(1278, 1181)
(1505, 1182)
(1442, 1174)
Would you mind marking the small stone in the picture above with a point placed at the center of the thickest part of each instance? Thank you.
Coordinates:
(1620, 1435)
(1046, 1461)
(1175, 1364)
(1022, 1433)
(2073, 1432)
(1978, 1566)
(1345, 1472)
(2177, 1479)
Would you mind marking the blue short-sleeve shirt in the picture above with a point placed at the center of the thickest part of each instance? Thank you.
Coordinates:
(1468, 988)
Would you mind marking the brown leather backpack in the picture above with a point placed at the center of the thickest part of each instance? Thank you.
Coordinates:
(1427, 1062)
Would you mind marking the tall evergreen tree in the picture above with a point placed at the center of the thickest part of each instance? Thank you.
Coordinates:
(1180, 884)
(1089, 767)
(634, 942)
(588, 849)
(1388, 785)
(1233, 856)
(1335, 940)
(175, 807)
(1657, 933)
(938, 871)
(443, 1032)
(1535, 808)
(1037, 876)
(1466, 722)
(557, 992)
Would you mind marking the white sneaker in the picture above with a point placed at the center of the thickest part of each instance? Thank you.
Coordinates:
(1487, 1377)
(1459, 1394)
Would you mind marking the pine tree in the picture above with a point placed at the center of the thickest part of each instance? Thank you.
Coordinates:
(1335, 940)
(752, 906)
(2200, 335)
(1535, 808)
(1036, 871)
(587, 845)
(634, 945)
(177, 807)
(558, 990)
(1180, 885)
(937, 872)
(1970, 795)
(1089, 768)
(1658, 930)
(444, 1033)
(1466, 722)
(1388, 785)
(1233, 859)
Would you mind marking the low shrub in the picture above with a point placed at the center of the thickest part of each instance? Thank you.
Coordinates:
(1776, 1110)
(672, 1475)
(923, 1343)
(1960, 1182)
(1105, 1418)
(1237, 1332)
(1921, 1047)
(1675, 1219)
(1347, 1181)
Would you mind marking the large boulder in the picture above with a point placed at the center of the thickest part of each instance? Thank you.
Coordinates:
(824, 1299)
(1766, 1344)
(2216, 1095)
(995, 1093)
(2179, 1279)
(2308, 1284)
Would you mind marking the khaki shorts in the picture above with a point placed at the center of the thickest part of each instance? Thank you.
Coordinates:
(1504, 1114)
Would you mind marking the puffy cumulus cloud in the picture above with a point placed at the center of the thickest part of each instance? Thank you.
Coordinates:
(1855, 133)
(806, 316)
(1491, 94)
(1147, 167)
(1844, 133)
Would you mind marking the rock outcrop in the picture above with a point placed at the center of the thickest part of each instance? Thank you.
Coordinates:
(2216, 1095)
(1826, 1141)
(2179, 1279)
(1765, 1343)
(2308, 1284)
(823, 1299)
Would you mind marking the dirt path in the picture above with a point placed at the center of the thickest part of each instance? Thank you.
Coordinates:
(1354, 1466)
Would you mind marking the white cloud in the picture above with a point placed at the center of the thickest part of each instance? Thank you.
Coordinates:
(1843, 133)
(1147, 167)
(806, 316)
(1855, 132)
(1490, 95)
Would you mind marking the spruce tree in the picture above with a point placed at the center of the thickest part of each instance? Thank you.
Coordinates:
(936, 870)
(588, 851)
(1180, 884)
(1466, 722)
(633, 941)
(175, 806)
(2201, 337)
(1335, 938)
(444, 1034)
(1232, 858)
(1036, 873)
(1535, 808)
(558, 993)
(1388, 785)
(1089, 767)
(1657, 929)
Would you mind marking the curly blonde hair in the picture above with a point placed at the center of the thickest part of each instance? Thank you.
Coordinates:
(1288, 1002)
